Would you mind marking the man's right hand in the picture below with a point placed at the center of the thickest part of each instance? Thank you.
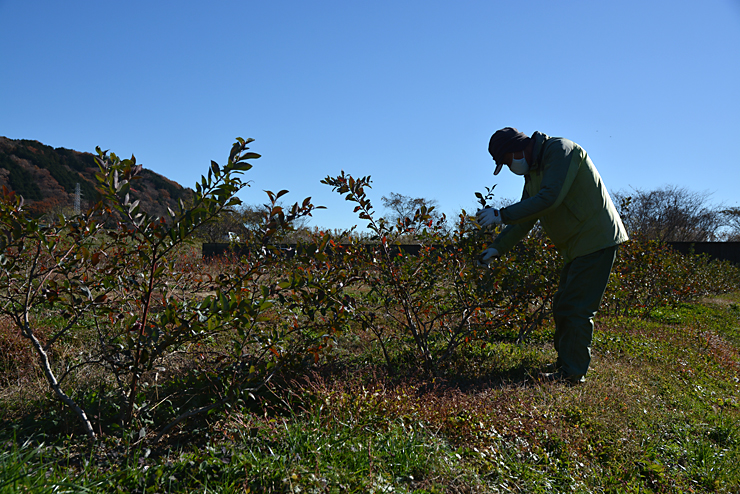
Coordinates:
(488, 216)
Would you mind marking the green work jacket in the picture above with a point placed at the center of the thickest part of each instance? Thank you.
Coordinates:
(565, 193)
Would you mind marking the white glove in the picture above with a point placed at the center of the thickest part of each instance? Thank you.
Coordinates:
(487, 255)
(488, 216)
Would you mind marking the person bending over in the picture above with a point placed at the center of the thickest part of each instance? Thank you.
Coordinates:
(563, 190)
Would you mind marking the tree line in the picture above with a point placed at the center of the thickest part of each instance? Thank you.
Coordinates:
(667, 214)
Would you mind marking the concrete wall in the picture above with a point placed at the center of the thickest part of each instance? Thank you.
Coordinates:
(724, 251)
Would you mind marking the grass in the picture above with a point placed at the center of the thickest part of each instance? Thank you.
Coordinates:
(660, 412)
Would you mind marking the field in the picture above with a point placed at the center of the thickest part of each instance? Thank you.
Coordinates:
(658, 413)
(130, 364)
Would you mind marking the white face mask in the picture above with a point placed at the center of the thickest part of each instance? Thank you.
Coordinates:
(519, 166)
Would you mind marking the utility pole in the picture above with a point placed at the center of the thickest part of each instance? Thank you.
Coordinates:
(77, 199)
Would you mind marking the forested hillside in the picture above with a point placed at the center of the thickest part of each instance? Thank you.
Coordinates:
(46, 178)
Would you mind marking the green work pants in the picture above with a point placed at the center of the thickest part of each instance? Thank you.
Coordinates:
(582, 285)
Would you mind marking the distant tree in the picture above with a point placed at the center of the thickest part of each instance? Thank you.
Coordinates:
(403, 207)
(732, 224)
(250, 216)
(229, 221)
(240, 222)
(670, 213)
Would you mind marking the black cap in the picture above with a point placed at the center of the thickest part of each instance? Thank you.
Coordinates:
(505, 141)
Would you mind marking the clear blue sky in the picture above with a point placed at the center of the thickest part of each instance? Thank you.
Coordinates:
(408, 92)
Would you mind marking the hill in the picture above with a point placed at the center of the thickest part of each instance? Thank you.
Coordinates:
(46, 178)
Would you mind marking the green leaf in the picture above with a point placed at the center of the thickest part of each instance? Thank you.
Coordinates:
(235, 150)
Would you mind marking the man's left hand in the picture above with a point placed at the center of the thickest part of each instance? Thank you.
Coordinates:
(487, 256)
(488, 216)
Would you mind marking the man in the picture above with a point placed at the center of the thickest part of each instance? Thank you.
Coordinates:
(563, 190)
